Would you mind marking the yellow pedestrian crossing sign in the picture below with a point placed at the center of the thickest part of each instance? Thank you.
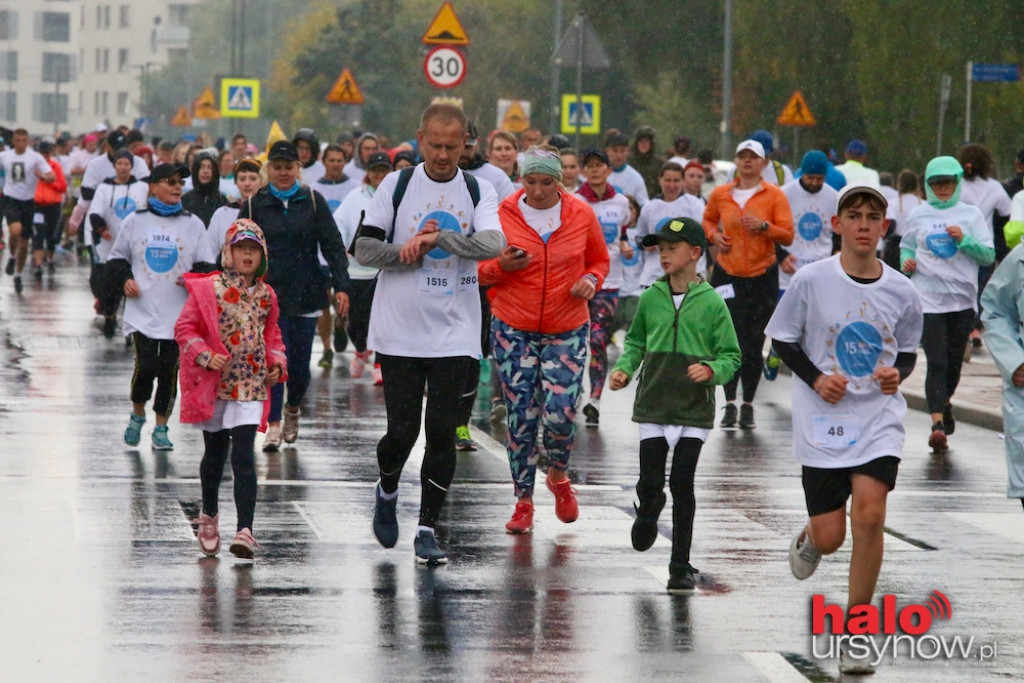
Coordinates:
(240, 98)
(205, 106)
(588, 116)
(796, 112)
(345, 90)
(181, 119)
(445, 29)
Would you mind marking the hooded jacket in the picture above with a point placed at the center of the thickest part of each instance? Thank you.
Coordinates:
(649, 164)
(222, 316)
(204, 198)
(307, 135)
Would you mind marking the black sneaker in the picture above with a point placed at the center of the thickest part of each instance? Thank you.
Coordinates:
(340, 338)
(51, 266)
(645, 528)
(948, 423)
(747, 416)
(37, 273)
(681, 581)
(109, 327)
(427, 550)
(17, 284)
(592, 414)
(385, 519)
(10, 266)
(729, 418)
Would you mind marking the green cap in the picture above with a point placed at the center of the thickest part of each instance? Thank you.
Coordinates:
(678, 230)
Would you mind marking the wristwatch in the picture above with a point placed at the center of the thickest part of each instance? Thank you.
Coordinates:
(764, 226)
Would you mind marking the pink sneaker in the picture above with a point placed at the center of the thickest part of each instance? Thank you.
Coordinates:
(358, 364)
(244, 545)
(566, 508)
(378, 376)
(522, 519)
(209, 534)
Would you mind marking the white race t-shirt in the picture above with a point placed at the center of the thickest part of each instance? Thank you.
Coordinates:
(347, 218)
(946, 278)
(20, 170)
(633, 268)
(432, 311)
(629, 181)
(613, 215)
(655, 214)
(544, 221)
(335, 192)
(988, 195)
(812, 225)
(113, 203)
(850, 329)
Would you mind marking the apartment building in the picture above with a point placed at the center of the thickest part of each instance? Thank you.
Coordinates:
(69, 64)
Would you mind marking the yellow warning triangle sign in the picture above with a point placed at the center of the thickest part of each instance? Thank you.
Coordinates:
(796, 112)
(516, 120)
(445, 29)
(205, 106)
(181, 119)
(345, 90)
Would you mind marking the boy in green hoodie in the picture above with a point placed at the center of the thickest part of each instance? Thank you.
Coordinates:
(684, 336)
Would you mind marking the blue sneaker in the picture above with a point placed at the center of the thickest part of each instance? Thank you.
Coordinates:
(133, 435)
(771, 366)
(427, 551)
(160, 440)
(385, 518)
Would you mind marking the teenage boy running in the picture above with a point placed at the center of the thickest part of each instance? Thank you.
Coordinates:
(851, 349)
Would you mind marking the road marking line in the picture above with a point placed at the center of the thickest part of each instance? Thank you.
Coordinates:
(1000, 523)
(774, 667)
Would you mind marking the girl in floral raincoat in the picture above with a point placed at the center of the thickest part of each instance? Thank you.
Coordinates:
(231, 353)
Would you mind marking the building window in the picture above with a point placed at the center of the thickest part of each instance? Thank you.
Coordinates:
(8, 65)
(99, 16)
(8, 24)
(8, 106)
(55, 26)
(104, 106)
(99, 60)
(106, 60)
(122, 60)
(177, 15)
(125, 16)
(50, 107)
(96, 102)
(122, 103)
(57, 68)
(106, 16)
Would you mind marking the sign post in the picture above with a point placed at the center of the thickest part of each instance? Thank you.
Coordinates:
(796, 113)
(580, 47)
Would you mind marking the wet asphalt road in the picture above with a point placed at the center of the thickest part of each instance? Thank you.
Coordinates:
(101, 578)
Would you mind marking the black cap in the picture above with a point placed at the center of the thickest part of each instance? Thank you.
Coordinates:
(378, 159)
(474, 135)
(599, 153)
(282, 149)
(1020, 155)
(163, 171)
(615, 140)
(116, 140)
(678, 230)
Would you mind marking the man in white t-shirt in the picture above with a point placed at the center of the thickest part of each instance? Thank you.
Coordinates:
(849, 351)
(812, 203)
(426, 236)
(23, 168)
(624, 177)
(854, 170)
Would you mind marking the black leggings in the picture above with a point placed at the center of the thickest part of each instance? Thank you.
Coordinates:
(751, 307)
(107, 293)
(243, 463)
(47, 235)
(404, 381)
(944, 340)
(650, 488)
(360, 300)
(155, 360)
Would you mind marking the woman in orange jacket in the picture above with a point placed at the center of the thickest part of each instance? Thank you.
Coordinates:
(49, 202)
(555, 261)
(744, 220)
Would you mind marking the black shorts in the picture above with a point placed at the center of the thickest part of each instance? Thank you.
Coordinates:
(20, 211)
(827, 490)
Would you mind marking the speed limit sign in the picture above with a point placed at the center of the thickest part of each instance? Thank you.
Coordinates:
(445, 67)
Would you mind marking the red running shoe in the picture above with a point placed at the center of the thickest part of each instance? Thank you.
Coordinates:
(937, 441)
(566, 508)
(522, 519)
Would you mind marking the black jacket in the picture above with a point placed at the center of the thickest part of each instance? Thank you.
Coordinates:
(293, 235)
(204, 199)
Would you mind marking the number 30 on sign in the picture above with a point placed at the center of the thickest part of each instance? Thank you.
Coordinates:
(445, 67)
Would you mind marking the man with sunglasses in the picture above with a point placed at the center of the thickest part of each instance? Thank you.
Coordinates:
(157, 245)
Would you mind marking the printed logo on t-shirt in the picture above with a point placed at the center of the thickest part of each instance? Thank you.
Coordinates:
(858, 348)
(18, 172)
(940, 242)
(810, 226)
(124, 207)
(611, 232)
(333, 204)
(445, 221)
(161, 252)
(635, 259)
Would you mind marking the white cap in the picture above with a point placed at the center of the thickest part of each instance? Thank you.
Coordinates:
(753, 145)
(101, 127)
(860, 188)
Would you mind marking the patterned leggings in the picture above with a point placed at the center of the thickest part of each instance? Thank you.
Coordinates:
(541, 379)
(602, 315)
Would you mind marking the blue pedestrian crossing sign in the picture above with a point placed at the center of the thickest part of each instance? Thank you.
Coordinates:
(240, 98)
(588, 116)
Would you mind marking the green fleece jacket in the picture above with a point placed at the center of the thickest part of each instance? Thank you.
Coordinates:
(668, 341)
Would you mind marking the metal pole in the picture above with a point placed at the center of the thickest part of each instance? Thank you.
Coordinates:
(726, 125)
(944, 88)
(579, 77)
(556, 69)
(967, 118)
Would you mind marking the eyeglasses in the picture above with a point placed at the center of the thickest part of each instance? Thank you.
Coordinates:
(172, 182)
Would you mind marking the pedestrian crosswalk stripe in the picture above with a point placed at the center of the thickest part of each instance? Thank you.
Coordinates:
(1000, 523)
(775, 667)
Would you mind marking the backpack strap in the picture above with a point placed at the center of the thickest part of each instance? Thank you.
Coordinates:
(780, 173)
(473, 186)
(404, 176)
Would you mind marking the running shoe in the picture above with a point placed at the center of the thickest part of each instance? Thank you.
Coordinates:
(851, 665)
(730, 416)
(385, 518)
(18, 287)
(378, 375)
(593, 415)
(747, 416)
(464, 440)
(803, 557)
(109, 327)
(427, 550)
(37, 273)
(327, 360)
(358, 364)
(566, 507)
(681, 580)
(645, 527)
(522, 519)
(244, 546)
(209, 534)
(10, 266)
(272, 440)
(133, 434)
(937, 441)
(498, 411)
(290, 429)
(160, 440)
